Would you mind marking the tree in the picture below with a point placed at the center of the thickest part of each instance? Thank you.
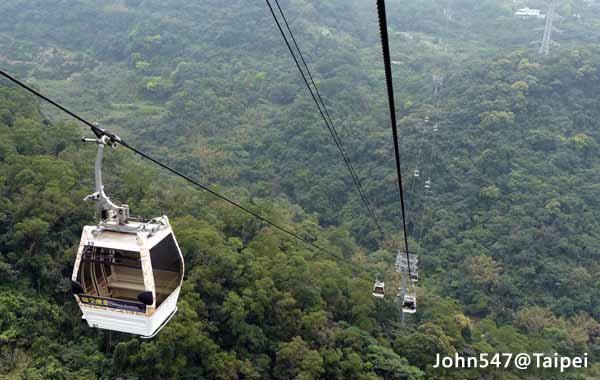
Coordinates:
(295, 360)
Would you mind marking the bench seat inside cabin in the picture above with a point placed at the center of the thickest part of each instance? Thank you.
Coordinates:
(127, 283)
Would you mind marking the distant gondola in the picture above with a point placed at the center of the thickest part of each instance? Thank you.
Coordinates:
(409, 305)
(379, 289)
(408, 299)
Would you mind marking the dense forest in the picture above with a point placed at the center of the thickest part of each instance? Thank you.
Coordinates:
(508, 235)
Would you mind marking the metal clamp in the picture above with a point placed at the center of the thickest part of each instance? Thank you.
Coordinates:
(108, 210)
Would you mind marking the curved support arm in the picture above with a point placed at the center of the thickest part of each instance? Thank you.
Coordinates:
(106, 207)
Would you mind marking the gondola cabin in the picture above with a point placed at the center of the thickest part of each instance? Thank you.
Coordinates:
(414, 275)
(128, 272)
(409, 305)
(128, 281)
(379, 289)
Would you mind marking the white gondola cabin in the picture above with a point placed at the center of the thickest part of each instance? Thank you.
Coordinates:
(379, 289)
(409, 305)
(128, 282)
(414, 275)
(409, 300)
(128, 273)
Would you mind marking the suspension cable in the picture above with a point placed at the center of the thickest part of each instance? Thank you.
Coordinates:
(318, 100)
(114, 138)
(287, 25)
(385, 45)
(322, 102)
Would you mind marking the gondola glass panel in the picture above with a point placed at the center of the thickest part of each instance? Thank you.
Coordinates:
(167, 268)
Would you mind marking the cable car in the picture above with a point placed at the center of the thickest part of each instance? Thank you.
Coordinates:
(414, 275)
(428, 184)
(409, 305)
(417, 173)
(409, 301)
(379, 289)
(435, 127)
(128, 272)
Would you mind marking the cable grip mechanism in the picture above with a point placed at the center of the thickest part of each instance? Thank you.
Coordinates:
(110, 212)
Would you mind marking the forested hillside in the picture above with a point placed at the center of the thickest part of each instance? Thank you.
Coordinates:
(508, 236)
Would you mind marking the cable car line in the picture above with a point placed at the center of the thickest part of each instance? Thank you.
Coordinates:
(428, 192)
(385, 45)
(322, 102)
(416, 172)
(95, 129)
(99, 290)
(429, 165)
(324, 113)
(99, 132)
(304, 63)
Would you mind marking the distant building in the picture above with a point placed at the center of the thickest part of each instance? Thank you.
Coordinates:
(406, 35)
(325, 32)
(529, 13)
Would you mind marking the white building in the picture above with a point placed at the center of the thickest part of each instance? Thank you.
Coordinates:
(529, 13)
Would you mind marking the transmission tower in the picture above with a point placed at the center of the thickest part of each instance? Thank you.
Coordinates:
(547, 39)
